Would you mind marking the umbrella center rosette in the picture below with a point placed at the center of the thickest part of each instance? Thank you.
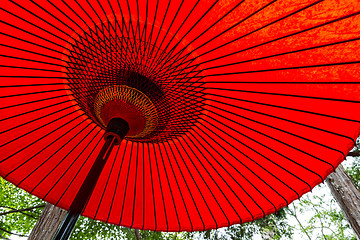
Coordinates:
(138, 82)
(121, 101)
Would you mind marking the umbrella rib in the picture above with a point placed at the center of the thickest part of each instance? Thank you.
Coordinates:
(240, 185)
(30, 33)
(126, 184)
(52, 155)
(135, 64)
(81, 167)
(34, 110)
(170, 188)
(192, 177)
(138, 30)
(106, 184)
(178, 54)
(206, 149)
(217, 121)
(95, 25)
(284, 119)
(275, 55)
(34, 85)
(110, 24)
(131, 30)
(37, 53)
(155, 58)
(39, 45)
(178, 186)
(134, 49)
(221, 146)
(81, 37)
(135, 185)
(78, 205)
(284, 94)
(187, 186)
(31, 121)
(240, 219)
(182, 24)
(277, 20)
(7, 158)
(118, 178)
(40, 100)
(43, 29)
(252, 186)
(213, 195)
(142, 42)
(226, 150)
(288, 108)
(30, 60)
(128, 43)
(178, 86)
(138, 20)
(148, 42)
(191, 60)
(156, 62)
(160, 28)
(235, 170)
(161, 186)
(192, 27)
(62, 160)
(36, 69)
(60, 177)
(279, 129)
(152, 186)
(31, 93)
(143, 173)
(143, 34)
(275, 139)
(270, 41)
(96, 28)
(291, 68)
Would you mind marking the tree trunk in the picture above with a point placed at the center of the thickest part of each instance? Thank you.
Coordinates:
(48, 222)
(137, 234)
(347, 196)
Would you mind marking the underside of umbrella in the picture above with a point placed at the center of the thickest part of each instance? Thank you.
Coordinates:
(235, 108)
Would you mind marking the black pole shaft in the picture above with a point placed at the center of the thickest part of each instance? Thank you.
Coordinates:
(115, 132)
(67, 225)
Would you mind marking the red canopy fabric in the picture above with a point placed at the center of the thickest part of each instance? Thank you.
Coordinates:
(256, 103)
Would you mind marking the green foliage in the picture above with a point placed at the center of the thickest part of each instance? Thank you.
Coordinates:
(354, 171)
(323, 220)
(11, 200)
(273, 226)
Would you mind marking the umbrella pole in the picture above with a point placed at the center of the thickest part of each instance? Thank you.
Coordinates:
(116, 130)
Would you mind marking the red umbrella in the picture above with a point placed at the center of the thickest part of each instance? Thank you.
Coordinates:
(235, 108)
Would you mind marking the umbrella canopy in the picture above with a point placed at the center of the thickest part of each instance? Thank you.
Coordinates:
(235, 108)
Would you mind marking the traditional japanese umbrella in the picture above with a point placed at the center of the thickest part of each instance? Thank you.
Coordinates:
(231, 109)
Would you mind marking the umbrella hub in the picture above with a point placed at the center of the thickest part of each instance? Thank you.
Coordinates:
(130, 104)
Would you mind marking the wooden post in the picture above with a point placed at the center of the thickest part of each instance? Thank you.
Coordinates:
(48, 223)
(347, 196)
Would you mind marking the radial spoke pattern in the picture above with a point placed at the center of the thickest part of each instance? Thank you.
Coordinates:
(256, 103)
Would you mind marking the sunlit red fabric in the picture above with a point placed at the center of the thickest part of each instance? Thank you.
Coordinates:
(264, 98)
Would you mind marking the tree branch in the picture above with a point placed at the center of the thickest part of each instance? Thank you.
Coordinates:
(355, 153)
(20, 235)
(293, 213)
(21, 210)
(29, 215)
